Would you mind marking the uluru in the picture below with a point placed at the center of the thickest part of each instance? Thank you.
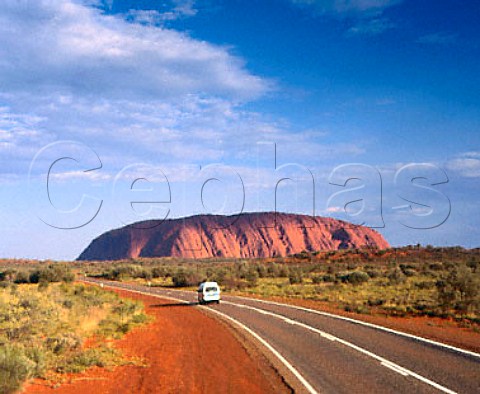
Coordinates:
(264, 234)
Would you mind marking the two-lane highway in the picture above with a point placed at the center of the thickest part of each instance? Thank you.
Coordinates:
(332, 354)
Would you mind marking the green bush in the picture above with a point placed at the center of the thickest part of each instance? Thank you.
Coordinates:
(459, 290)
(356, 277)
(95, 357)
(63, 343)
(283, 272)
(22, 277)
(373, 273)
(15, 368)
(272, 270)
(396, 277)
(53, 273)
(252, 277)
(183, 278)
(38, 356)
(409, 272)
(375, 302)
(262, 271)
(158, 272)
(295, 277)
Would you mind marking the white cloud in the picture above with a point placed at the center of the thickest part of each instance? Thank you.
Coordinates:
(97, 176)
(347, 6)
(180, 9)
(468, 167)
(438, 39)
(185, 7)
(365, 15)
(335, 210)
(475, 154)
(65, 46)
(68, 72)
(371, 27)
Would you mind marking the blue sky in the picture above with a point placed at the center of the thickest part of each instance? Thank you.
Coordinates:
(357, 97)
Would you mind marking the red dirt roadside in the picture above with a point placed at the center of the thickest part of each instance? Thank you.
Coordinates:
(185, 352)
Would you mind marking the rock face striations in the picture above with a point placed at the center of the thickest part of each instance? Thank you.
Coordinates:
(246, 235)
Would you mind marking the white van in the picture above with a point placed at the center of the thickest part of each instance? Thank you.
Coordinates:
(208, 292)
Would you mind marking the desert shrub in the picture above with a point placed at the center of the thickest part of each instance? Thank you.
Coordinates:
(328, 278)
(183, 278)
(53, 273)
(15, 368)
(317, 279)
(94, 357)
(459, 290)
(372, 273)
(22, 277)
(331, 269)
(262, 271)
(180, 279)
(436, 266)
(283, 272)
(219, 275)
(63, 342)
(241, 270)
(140, 318)
(232, 283)
(375, 302)
(84, 360)
(38, 357)
(396, 277)
(473, 265)
(409, 272)
(425, 284)
(145, 273)
(295, 277)
(272, 270)
(252, 277)
(158, 272)
(356, 277)
(122, 272)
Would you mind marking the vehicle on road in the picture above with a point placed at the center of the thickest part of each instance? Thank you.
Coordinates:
(208, 292)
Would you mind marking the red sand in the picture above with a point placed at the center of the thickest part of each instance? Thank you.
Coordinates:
(185, 352)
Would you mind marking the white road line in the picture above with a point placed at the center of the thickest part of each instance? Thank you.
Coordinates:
(383, 361)
(277, 354)
(292, 369)
(371, 325)
(394, 368)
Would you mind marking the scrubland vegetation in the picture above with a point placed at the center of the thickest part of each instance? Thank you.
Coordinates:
(442, 282)
(43, 325)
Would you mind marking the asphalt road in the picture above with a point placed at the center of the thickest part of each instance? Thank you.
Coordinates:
(328, 354)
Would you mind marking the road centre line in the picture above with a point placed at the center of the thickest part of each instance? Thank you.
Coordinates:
(383, 361)
(371, 325)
